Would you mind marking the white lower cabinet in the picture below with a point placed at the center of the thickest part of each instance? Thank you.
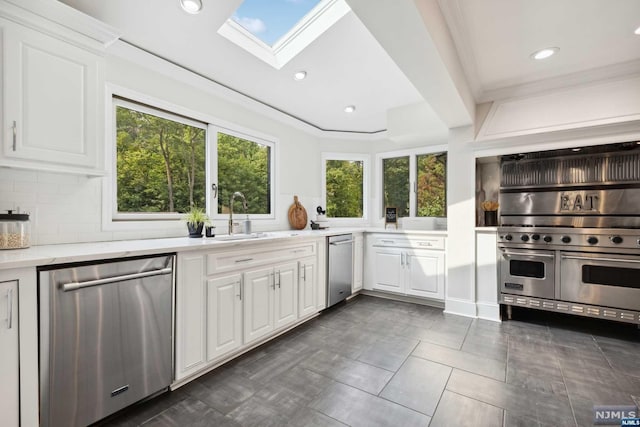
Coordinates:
(222, 305)
(224, 315)
(258, 303)
(307, 286)
(9, 355)
(358, 262)
(191, 315)
(271, 300)
(286, 294)
(400, 266)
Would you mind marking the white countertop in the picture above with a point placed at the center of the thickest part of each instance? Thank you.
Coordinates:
(78, 252)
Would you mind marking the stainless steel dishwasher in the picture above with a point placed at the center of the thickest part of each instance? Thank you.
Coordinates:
(105, 337)
(339, 268)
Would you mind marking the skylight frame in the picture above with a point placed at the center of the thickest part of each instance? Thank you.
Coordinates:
(309, 28)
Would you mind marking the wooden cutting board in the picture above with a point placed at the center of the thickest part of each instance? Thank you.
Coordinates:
(297, 215)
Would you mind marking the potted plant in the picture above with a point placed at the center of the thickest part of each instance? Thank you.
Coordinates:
(196, 219)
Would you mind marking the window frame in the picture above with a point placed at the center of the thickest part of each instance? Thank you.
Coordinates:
(171, 223)
(131, 105)
(365, 159)
(212, 202)
(413, 177)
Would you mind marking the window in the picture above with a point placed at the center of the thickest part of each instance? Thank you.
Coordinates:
(166, 163)
(245, 166)
(395, 178)
(344, 188)
(431, 185)
(270, 21)
(160, 162)
(425, 173)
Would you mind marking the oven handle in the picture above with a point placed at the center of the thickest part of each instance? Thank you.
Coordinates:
(529, 254)
(581, 258)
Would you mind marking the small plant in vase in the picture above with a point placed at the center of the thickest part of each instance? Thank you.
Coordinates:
(196, 219)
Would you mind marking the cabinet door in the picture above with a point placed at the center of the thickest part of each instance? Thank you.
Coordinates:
(9, 365)
(190, 315)
(51, 105)
(425, 274)
(258, 303)
(286, 294)
(388, 270)
(307, 286)
(224, 315)
(358, 263)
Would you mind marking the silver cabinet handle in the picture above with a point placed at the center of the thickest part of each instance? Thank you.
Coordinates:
(278, 278)
(304, 272)
(15, 134)
(600, 259)
(78, 285)
(9, 308)
(244, 260)
(273, 280)
(402, 259)
(388, 241)
(342, 242)
(406, 260)
(239, 295)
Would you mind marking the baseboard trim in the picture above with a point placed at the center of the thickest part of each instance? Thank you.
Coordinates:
(404, 298)
(489, 311)
(460, 307)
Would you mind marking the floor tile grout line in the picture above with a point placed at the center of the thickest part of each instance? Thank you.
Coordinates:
(435, 409)
(398, 370)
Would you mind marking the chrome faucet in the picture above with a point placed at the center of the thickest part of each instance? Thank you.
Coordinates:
(244, 206)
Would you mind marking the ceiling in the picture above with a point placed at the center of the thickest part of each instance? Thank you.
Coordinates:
(388, 54)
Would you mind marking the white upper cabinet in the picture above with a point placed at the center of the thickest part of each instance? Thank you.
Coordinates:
(52, 67)
(51, 102)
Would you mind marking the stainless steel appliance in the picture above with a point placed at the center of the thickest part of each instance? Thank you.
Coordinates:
(569, 239)
(105, 337)
(339, 268)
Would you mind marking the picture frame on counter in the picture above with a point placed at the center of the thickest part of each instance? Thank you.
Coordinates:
(391, 216)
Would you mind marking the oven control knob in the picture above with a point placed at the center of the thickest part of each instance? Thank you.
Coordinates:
(508, 237)
(592, 240)
(547, 239)
(524, 238)
(535, 237)
(565, 239)
(616, 239)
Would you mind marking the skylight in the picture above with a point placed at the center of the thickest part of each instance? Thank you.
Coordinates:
(270, 20)
(275, 31)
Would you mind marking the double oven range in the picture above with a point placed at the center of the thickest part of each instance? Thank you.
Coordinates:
(569, 239)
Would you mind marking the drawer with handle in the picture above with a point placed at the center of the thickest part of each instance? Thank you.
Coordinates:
(418, 243)
(228, 261)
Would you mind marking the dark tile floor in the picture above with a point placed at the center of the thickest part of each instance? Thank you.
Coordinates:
(375, 362)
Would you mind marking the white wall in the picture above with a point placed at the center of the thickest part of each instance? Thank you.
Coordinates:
(68, 208)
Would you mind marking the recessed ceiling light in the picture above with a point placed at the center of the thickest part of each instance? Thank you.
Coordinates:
(544, 53)
(349, 108)
(300, 75)
(637, 31)
(576, 149)
(191, 6)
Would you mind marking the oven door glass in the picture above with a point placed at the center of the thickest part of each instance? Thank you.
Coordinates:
(601, 279)
(525, 272)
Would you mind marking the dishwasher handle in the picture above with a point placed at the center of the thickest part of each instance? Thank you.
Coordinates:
(79, 285)
(342, 242)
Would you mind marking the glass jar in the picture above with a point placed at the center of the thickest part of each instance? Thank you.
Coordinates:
(15, 230)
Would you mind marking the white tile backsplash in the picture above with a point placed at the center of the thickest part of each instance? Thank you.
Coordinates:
(67, 208)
